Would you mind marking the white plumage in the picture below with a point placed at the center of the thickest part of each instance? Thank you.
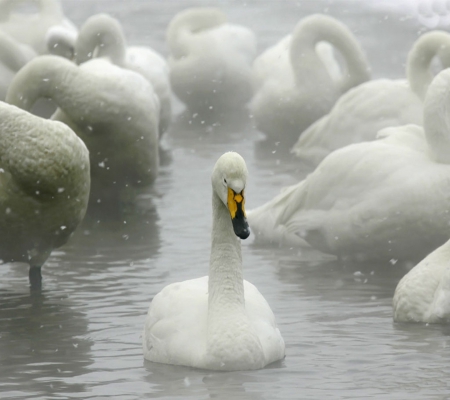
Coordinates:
(364, 110)
(220, 322)
(295, 84)
(387, 199)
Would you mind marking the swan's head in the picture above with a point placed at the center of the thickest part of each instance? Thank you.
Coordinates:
(228, 180)
(61, 41)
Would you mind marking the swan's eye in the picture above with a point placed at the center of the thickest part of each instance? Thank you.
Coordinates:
(224, 181)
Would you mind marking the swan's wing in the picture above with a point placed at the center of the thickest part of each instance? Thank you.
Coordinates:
(175, 326)
(263, 321)
(268, 221)
(358, 115)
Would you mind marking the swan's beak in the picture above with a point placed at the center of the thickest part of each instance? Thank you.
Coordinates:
(236, 202)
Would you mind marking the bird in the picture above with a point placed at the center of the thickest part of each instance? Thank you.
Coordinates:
(210, 61)
(220, 321)
(13, 56)
(371, 106)
(293, 83)
(61, 42)
(102, 36)
(423, 294)
(113, 110)
(31, 28)
(384, 200)
(44, 187)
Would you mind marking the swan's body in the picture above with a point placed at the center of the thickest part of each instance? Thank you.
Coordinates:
(102, 36)
(387, 199)
(44, 185)
(423, 294)
(210, 61)
(31, 29)
(220, 322)
(13, 56)
(294, 87)
(364, 110)
(114, 111)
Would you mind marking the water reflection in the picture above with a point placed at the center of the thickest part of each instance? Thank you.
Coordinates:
(30, 361)
(172, 381)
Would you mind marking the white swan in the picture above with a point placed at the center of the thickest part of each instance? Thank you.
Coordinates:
(102, 36)
(210, 61)
(13, 56)
(31, 29)
(293, 86)
(44, 187)
(386, 199)
(61, 42)
(423, 294)
(113, 110)
(220, 322)
(364, 110)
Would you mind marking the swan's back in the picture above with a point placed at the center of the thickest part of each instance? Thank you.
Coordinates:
(44, 196)
(423, 294)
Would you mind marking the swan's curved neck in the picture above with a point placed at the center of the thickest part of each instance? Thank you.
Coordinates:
(45, 76)
(101, 36)
(320, 28)
(226, 282)
(428, 46)
(11, 54)
(436, 119)
(188, 23)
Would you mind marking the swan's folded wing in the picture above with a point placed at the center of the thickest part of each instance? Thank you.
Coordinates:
(175, 327)
(263, 321)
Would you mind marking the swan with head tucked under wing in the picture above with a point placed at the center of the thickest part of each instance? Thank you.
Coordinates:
(293, 84)
(13, 56)
(364, 110)
(31, 29)
(220, 321)
(113, 110)
(44, 187)
(210, 61)
(423, 294)
(385, 199)
(101, 36)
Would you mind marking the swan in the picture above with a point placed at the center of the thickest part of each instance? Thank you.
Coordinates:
(113, 110)
(367, 108)
(423, 294)
(31, 29)
(386, 199)
(220, 322)
(293, 84)
(13, 56)
(61, 42)
(102, 36)
(210, 61)
(44, 187)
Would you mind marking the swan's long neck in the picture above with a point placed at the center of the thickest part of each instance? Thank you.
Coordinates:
(318, 28)
(226, 284)
(45, 76)
(190, 22)
(436, 120)
(101, 36)
(428, 46)
(11, 54)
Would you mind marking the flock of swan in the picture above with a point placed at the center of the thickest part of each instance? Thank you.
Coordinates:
(380, 149)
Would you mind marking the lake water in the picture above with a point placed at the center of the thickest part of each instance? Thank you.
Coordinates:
(80, 337)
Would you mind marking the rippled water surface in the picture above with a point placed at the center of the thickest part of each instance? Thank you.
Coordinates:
(80, 337)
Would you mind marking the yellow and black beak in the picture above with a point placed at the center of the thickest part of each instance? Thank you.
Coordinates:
(236, 202)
